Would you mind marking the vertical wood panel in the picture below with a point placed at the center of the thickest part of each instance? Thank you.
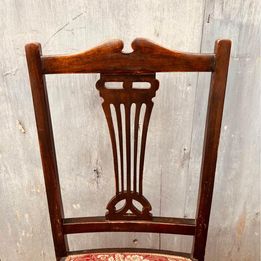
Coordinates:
(236, 205)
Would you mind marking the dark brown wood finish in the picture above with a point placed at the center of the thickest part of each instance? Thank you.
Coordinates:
(139, 66)
(128, 97)
(155, 225)
(146, 57)
(211, 141)
(47, 148)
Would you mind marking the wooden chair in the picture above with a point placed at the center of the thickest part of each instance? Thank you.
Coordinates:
(141, 65)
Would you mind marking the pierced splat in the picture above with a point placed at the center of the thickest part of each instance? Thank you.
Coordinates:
(128, 173)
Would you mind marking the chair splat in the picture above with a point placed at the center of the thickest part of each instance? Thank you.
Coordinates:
(128, 173)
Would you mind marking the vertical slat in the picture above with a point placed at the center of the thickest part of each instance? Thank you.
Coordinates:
(136, 137)
(107, 111)
(119, 123)
(149, 106)
(47, 148)
(211, 141)
(128, 145)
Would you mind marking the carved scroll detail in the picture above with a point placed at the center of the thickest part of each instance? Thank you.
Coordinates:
(128, 175)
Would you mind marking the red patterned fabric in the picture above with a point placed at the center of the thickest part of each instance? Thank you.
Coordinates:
(125, 257)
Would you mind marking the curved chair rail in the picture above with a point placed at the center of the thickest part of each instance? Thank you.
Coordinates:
(147, 57)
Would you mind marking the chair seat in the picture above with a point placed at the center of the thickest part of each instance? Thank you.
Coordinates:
(125, 257)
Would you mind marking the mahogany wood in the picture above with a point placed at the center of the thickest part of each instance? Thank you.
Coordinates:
(47, 149)
(128, 97)
(108, 58)
(211, 141)
(139, 66)
(155, 225)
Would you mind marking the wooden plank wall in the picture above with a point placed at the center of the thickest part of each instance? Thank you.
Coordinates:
(175, 135)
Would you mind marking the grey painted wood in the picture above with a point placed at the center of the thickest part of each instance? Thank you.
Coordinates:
(235, 218)
(82, 136)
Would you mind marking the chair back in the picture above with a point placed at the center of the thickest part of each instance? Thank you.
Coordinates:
(129, 70)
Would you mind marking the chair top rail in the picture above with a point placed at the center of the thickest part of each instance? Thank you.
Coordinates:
(147, 57)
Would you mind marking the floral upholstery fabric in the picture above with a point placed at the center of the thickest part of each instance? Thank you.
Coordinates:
(126, 257)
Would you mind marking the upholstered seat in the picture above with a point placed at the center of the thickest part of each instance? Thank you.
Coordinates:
(125, 257)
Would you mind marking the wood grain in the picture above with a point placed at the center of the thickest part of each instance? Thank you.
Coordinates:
(158, 59)
(155, 225)
(47, 148)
